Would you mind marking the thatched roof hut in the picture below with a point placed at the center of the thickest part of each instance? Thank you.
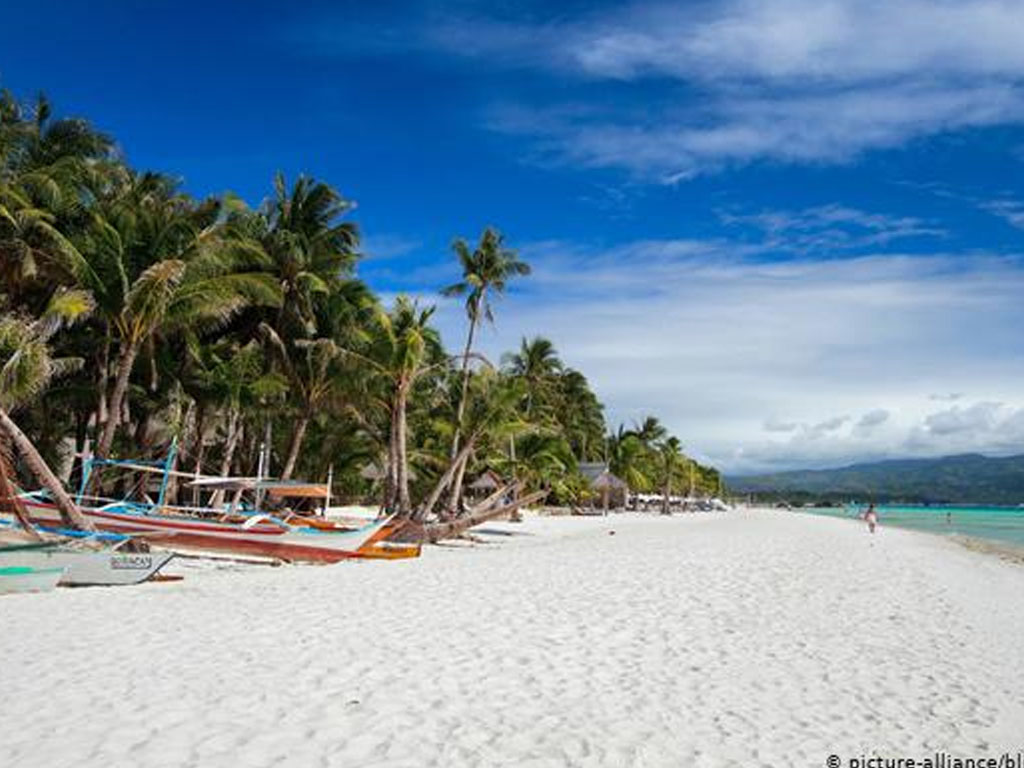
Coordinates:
(612, 489)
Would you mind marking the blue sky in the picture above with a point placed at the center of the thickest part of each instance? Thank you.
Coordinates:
(792, 228)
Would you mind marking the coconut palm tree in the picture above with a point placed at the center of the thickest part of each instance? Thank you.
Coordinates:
(28, 366)
(580, 415)
(649, 431)
(311, 250)
(491, 414)
(486, 271)
(627, 458)
(537, 364)
(312, 365)
(157, 263)
(672, 466)
(403, 347)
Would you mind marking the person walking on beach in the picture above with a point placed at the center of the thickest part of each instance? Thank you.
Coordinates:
(871, 516)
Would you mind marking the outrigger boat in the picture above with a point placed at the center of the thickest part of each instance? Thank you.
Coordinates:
(231, 530)
(86, 559)
(14, 579)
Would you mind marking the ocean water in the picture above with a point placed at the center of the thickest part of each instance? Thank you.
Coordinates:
(1004, 524)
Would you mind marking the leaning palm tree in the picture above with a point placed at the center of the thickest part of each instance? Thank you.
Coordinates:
(486, 270)
(28, 366)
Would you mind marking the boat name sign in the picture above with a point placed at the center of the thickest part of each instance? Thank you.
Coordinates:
(131, 562)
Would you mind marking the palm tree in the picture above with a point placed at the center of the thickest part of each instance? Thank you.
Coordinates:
(45, 168)
(580, 415)
(157, 263)
(671, 465)
(312, 365)
(310, 250)
(486, 270)
(403, 348)
(28, 367)
(537, 364)
(650, 431)
(491, 414)
(627, 458)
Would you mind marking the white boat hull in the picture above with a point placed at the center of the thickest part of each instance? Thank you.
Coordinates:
(14, 580)
(92, 568)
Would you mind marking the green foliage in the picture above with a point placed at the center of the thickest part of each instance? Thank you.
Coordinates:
(222, 324)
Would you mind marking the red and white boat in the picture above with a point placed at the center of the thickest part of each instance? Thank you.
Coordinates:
(260, 536)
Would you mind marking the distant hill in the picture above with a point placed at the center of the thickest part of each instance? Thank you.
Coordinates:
(968, 478)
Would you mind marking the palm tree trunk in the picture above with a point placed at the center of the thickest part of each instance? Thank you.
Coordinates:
(454, 468)
(171, 493)
(124, 371)
(234, 434)
(664, 500)
(391, 476)
(69, 513)
(455, 499)
(456, 495)
(200, 451)
(402, 455)
(9, 500)
(296, 446)
(447, 530)
(103, 373)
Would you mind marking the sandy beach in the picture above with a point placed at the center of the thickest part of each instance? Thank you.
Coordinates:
(749, 638)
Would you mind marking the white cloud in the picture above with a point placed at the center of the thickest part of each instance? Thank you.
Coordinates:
(824, 40)
(742, 128)
(831, 228)
(979, 417)
(732, 351)
(1010, 210)
(799, 81)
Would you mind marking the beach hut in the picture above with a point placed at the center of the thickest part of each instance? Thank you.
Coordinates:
(613, 490)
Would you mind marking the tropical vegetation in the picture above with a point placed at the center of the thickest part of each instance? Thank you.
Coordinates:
(133, 315)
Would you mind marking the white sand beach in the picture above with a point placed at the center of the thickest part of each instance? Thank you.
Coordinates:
(747, 639)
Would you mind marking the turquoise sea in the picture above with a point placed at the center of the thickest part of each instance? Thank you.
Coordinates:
(1005, 524)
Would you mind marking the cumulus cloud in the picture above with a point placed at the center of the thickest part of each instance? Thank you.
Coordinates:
(786, 80)
(749, 361)
(979, 417)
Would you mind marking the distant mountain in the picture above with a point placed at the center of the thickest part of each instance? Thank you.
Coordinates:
(968, 478)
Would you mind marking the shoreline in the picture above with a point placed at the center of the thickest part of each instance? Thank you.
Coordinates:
(1005, 550)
